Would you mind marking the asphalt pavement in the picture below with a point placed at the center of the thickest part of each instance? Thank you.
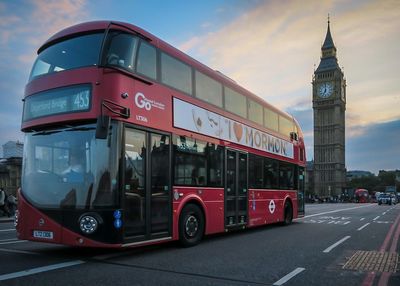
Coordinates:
(334, 244)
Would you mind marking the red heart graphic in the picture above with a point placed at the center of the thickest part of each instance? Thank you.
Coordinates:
(238, 129)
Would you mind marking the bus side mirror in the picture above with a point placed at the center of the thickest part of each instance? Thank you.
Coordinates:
(102, 127)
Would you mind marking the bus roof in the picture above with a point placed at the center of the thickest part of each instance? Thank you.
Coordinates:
(164, 46)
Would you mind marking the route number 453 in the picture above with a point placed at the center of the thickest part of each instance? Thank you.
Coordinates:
(81, 101)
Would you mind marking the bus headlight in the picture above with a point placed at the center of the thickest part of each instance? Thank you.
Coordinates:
(88, 224)
(16, 218)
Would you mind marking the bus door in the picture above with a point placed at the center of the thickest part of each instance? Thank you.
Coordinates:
(300, 192)
(147, 187)
(236, 199)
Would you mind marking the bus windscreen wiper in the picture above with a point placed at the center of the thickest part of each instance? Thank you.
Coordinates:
(46, 132)
(80, 129)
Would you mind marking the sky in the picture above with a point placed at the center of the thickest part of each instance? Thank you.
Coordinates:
(269, 47)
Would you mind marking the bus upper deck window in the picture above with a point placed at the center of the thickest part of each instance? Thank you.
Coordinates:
(121, 50)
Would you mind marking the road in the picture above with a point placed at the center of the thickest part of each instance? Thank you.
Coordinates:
(334, 244)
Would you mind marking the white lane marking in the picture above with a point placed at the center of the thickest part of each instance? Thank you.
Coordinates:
(289, 276)
(377, 217)
(39, 270)
(13, 241)
(18, 251)
(335, 211)
(4, 230)
(384, 213)
(361, 219)
(365, 225)
(336, 244)
(8, 239)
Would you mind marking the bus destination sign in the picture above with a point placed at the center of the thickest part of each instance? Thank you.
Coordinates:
(57, 101)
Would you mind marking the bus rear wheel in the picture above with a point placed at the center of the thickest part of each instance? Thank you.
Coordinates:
(191, 225)
(288, 213)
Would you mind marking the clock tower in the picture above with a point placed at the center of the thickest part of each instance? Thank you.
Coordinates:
(329, 105)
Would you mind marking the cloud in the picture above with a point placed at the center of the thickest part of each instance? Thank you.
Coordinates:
(54, 15)
(375, 149)
(24, 26)
(5, 22)
(190, 44)
(272, 48)
(251, 50)
(206, 25)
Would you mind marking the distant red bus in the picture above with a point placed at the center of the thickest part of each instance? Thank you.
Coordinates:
(129, 141)
(361, 196)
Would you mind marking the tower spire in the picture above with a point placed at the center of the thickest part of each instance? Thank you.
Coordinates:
(328, 43)
(328, 52)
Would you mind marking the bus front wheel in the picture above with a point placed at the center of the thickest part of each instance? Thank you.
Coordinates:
(191, 225)
(288, 213)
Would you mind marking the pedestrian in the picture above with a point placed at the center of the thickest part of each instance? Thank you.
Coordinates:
(3, 202)
(12, 204)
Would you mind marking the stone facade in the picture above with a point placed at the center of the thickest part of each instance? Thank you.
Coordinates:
(10, 174)
(329, 104)
(13, 149)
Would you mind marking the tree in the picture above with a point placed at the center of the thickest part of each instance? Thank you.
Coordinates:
(387, 178)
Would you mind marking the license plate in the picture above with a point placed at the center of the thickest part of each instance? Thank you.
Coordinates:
(43, 234)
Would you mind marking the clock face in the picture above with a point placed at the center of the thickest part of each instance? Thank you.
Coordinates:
(325, 90)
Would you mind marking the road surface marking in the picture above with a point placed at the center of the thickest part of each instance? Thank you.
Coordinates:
(377, 217)
(365, 225)
(8, 239)
(4, 230)
(383, 213)
(361, 219)
(39, 270)
(336, 244)
(369, 278)
(18, 251)
(384, 279)
(335, 211)
(289, 276)
(13, 241)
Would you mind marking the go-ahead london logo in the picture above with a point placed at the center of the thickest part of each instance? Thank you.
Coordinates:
(143, 102)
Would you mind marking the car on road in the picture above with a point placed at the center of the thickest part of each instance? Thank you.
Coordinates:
(387, 199)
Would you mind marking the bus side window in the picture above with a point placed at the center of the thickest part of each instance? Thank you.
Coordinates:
(146, 61)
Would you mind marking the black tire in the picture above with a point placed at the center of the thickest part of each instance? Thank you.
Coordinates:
(191, 225)
(288, 213)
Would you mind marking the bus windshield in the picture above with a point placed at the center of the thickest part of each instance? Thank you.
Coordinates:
(70, 168)
(72, 53)
(82, 51)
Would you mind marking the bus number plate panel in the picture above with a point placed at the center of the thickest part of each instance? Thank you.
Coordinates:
(43, 234)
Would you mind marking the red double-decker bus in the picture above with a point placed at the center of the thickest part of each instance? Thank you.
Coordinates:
(129, 141)
(361, 196)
